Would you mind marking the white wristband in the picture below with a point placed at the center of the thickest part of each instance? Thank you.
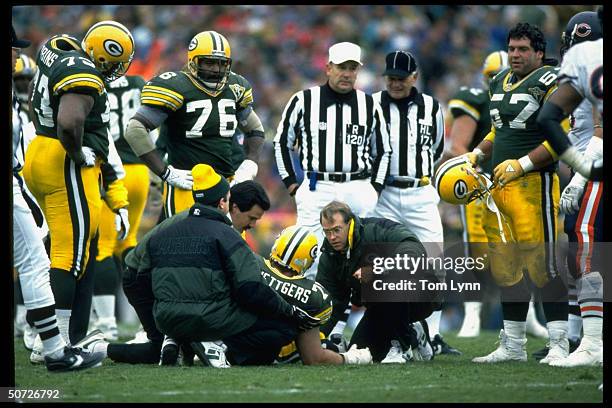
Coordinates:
(526, 164)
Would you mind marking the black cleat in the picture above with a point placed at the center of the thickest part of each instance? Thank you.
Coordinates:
(74, 358)
(442, 347)
(543, 352)
(169, 352)
(188, 354)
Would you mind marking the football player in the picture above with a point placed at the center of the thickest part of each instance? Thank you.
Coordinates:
(581, 93)
(124, 100)
(527, 196)
(71, 117)
(471, 123)
(198, 109)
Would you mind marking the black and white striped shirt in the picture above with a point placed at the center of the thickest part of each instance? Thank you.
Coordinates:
(416, 130)
(335, 133)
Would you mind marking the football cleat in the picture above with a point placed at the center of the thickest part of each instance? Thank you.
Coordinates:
(211, 354)
(36, 357)
(29, 337)
(541, 353)
(589, 353)
(442, 347)
(339, 341)
(88, 341)
(397, 355)
(187, 354)
(169, 352)
(509, 350)
(558, 349)
(424, 350)
(74, 358)
(108, 326)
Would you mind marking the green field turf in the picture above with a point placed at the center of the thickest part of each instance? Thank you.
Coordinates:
(445, 379)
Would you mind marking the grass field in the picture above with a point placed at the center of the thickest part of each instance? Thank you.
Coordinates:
(445, 379)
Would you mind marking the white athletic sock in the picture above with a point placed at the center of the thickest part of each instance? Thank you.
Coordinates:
(592, 327)
(472, 308)
(63, 323)
(557, 329)
(104, 305)
(574, 326)
(433, 321)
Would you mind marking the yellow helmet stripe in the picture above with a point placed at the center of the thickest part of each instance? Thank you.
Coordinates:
(467, 108)
(87, 80)
(294, 243)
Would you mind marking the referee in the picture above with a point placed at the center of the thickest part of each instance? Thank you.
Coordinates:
(416, 129)
(342, 141)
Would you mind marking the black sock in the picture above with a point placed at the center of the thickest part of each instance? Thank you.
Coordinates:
(107, 277)
(143, 353)
(44, 320)
(63, 285)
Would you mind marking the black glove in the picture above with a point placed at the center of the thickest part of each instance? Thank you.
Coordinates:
(304, 320)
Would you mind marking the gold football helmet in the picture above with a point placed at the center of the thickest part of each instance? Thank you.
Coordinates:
(295, 248)
(458, 182)
(493, 65)
(110, 46)
(25, 69)
(209, 59)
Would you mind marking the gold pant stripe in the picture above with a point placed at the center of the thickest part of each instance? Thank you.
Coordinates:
(176, 200)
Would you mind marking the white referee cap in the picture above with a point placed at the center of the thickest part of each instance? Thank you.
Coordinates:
(345, 51)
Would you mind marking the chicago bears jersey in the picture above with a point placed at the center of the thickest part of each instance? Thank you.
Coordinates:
(59, 72)
(304, 293)
(582, 67)
(514, 107)
(473, 102)
(199, 127)
(124, 101)
(581, 125)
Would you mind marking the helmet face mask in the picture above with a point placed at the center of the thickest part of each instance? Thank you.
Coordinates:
(295, 249)
(25, 70)
(209, 60)
(457, 182)
(110, 46)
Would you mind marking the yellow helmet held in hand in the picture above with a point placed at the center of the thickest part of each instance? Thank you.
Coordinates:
(205, 49)
(110, 46)
(295, 248)
(493, 64)
(458, 182)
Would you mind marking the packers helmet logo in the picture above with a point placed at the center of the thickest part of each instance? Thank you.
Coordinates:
(113, 48)
(193, 44)
(460, 189)
(313, 251)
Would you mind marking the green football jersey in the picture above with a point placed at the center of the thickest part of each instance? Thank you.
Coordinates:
(199, 127)
(304, 293)
(473, 102)
(61, 71)
(124, 100)
(514, 108)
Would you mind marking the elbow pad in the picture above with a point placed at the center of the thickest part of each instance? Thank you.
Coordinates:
(138, 138)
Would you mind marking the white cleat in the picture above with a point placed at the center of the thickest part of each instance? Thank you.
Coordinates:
(29, 337)
(211, 353)
(589, 353)
(396, 354)
(470, 326)
(36, 357)
(509, 350)
(108, 326)
(424, 351)
(558, 350)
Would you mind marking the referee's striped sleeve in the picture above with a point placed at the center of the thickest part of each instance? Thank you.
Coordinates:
(286, 137)
(381, 151)
(438, 145)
